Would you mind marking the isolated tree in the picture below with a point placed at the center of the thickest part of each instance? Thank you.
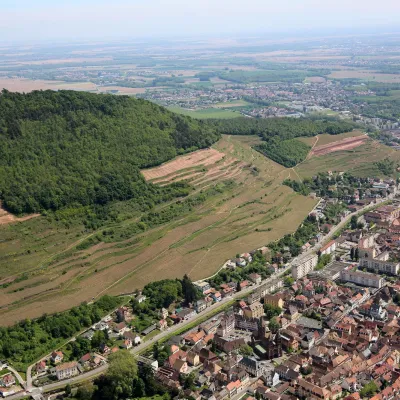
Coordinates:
(353, 222)
(352, 253)
(238, 287)
(356, 254)
(274, 325)
(189, 290)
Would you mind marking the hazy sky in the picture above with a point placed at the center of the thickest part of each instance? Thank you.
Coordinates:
(74, 19)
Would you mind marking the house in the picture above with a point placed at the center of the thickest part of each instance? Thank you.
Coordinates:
(120, 328)
(200, 306)
(41, 367)
(255, 310)
(233, 388)
(7, 380)
(227, 324)
(88, 334)
(162, 324)
(329, 248)
(56, 357)
(202, 286)
(164, 313)
(121, 314)
(85, 359)
(140, 298)
(127, 344)
(66, 370)
(186, 313)
(217, 296)
(194, 337)
(180, 366)
(377, 312)
(271, 379)
(253, 297)
(274, 300)
(240, 262)
(193, 358)
(252, 366)
(256, 278)
(228, 344)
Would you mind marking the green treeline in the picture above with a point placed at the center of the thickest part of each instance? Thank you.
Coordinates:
(278, 135)
(27, 341)
(288, 152)
(63, 148)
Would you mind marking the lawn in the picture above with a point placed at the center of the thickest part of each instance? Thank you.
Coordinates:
(206, 113)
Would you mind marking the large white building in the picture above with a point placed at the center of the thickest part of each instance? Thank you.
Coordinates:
(66, 370)
(372, 260)
(302, 266)
(362, 278)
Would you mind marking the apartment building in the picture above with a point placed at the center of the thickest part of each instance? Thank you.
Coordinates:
(362, 278)
(302, 266)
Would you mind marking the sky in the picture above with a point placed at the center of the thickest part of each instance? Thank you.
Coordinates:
(50, 20)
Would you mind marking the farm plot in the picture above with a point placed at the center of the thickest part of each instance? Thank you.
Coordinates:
(252, 211)
(340, 145)
(359, 161)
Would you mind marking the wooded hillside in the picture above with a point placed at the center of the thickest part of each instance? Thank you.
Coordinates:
(63, 148)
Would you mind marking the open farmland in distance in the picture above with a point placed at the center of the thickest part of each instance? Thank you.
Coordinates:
(253, 210)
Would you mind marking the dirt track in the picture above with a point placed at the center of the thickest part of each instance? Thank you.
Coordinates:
(7, 218)
(345, 144)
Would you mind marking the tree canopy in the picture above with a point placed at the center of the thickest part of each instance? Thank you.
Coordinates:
(63, 148)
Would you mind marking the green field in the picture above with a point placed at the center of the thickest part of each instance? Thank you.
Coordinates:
(206, 113)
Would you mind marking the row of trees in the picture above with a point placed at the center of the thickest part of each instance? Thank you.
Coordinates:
(28, 340)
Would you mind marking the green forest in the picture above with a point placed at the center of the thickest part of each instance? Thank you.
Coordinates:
(68, 148)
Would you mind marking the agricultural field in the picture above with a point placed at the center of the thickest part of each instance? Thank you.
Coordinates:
(365, 75)
(253, 208)
(328, 139)
(206, 113)
(359, 161)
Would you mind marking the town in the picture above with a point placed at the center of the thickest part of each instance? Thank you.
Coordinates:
(313, 315)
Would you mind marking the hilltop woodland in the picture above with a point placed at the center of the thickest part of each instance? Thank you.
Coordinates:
(278, 135)
(71, 149)
(63, 148)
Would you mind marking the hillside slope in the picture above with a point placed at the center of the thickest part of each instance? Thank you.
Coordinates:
(63, 148)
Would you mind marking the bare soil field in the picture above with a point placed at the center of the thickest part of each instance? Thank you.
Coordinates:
(254, 211)
(359, 161)
(344, 144)
(327, 139)
(200, 157)
(28, 85)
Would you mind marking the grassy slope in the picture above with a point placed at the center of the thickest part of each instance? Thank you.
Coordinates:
(197, 243)
(359, 161)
